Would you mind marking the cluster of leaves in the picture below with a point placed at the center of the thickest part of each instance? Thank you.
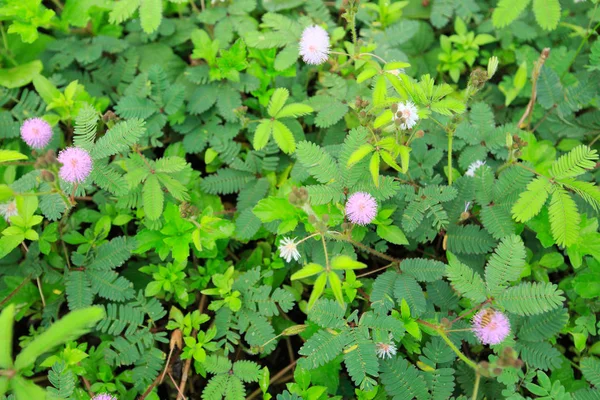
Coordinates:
(212, 142)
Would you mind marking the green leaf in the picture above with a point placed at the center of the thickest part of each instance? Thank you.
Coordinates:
(318, 162)
(153, 198)
(464, 280)
(20, 75)
(380, 91)
(402, 380)
(374, 168)
(564, 218)
(283, 137)
(359, 154)
(278, 99)
(590, 367)
(286, 58)
(336, 287)
(11, 155)
(392, 234)
(294, 110)
(70, 327)
(574, 163)
(6, 336)
(45, 89)
(547, 13)
(150, 15)
(345, 262)
(531, 298)
(505, 265)
(306, 271)
(407, 288)
(262, 134)
(423, 270)
(507, 11)
(25, 389)
(532, 200)
(317, 291)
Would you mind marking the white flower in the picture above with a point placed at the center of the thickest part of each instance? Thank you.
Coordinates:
(467, 205)
(385, 350)
(314, 45)
(288, 249)
(9, 209)
(408, 114)
(474, 167)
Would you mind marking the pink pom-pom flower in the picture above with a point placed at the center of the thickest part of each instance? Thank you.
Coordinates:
(76, 164)
(491, 326)
(361, 208)
(314, 45)
(104, 396)
(36, 133)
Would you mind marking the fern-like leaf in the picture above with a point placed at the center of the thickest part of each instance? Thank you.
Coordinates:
(402, 380)
(424, 270)
(564, 218)
(532, 200)
(464, 280)
(531, 298)
(323, 347)
(574, 163)
(540, 355)
(86, 124)
(318, 162)
(505, 265)
(118, 139)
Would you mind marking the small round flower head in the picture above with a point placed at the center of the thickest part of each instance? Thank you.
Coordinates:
(76, 164)
(104, 396)
(36, 133)
(490, 326)
(314, 45)
(9, 209)
(407, 114)
(474, 167)
(385, 350)
(361, 208)
(288, 249)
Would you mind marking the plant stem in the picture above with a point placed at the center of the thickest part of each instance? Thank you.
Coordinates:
(583, 41)
(450, 139)
(339, 236)
(15, 291)
(476, 388)
(455, 349)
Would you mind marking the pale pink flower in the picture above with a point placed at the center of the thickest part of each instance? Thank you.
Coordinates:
(491, 326)
(76, 164)
(104, 396)
(361, 208)
(36, 133)
(408, 115)
(288, 249)
(385, 350)
(314, 45)
(9, 209)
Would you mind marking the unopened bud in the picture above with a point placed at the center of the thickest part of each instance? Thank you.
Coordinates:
(420, 133)
(47, 176)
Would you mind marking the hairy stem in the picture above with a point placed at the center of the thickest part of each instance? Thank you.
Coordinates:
(476, 388)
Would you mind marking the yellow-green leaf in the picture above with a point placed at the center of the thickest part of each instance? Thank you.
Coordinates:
(336, 287)
(374, 168)
(11, 155)
(359, 154)
(278, 99)
(384, 118)
(306, 271)
(380, 91)
(531, 201)
(283, 137)
(404, 157)
(389, 160)
(6, 334)
(366, 74)
(262, 134)
(345, 262)
(317, 291)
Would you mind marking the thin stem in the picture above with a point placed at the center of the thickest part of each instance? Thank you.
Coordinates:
(374, 271)
(15, 291)
(537, 69)
(325, 250)
(594, 141)
(5, 42)
(470, 311)
(308, 237)
(188, 362)
(455, 349)
(476, 388)
(583, 40)
(338, 236)
(373, 55)
(450, 139)
(39, 285)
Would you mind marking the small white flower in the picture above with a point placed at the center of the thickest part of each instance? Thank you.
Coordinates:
(467, 205)
(314, 45)
(408, 113)
(385, 350)
(288, 249)
(474, 167)
(9, 209)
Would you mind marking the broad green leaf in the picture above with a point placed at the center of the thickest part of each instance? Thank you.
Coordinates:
(389, 160)
(153, 198)
(278, 99)
(11, 155)
(20, 75)
(384, 118)
(6, 333)
(366, 74)
(45, 89)
(306, 271)
(25, 389)
(380, 91)
(9, 243)
(5, 193)
(317, 291)
(404, 157)
(336, 287)
(262, 134)
(392, 234)
(283, 137)
(70, 327)
(359, 154)
(374, 168)
(345, 262)
(395, 65)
